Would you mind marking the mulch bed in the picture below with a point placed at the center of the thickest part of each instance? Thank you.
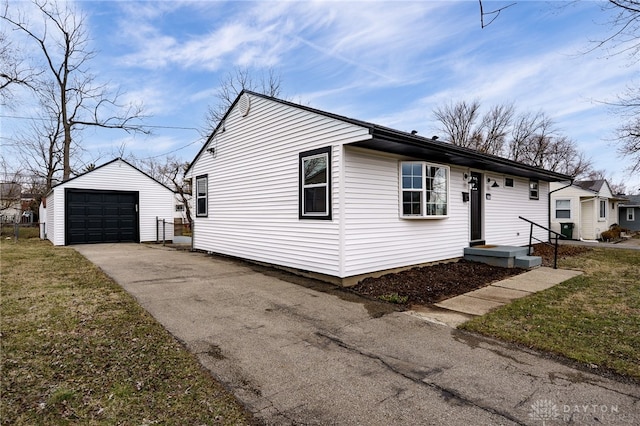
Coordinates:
(432, 284)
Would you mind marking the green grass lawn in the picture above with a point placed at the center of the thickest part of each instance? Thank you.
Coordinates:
(77, 349)
(593, 318)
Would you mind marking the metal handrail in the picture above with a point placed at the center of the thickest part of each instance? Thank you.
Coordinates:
(531, 238)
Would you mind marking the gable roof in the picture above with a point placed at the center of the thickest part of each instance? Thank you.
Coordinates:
(393, 141)
(591, 185)
(106, 164)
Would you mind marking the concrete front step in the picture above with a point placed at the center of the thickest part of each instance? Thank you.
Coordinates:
(502, 256)
(528, 262)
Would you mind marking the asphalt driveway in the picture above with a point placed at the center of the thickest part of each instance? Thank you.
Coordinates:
(296, 352)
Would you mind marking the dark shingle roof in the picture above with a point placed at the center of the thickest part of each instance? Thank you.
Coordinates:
(633, 201)
(591, 185)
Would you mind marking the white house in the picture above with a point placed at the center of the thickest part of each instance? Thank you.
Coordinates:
(589, 205)
(10, 202)
(293, 186)
(115, 202)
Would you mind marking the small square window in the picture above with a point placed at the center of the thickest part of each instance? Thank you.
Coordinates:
(508, 182)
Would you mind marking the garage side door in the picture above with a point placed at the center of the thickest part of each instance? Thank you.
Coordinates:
(101, 216)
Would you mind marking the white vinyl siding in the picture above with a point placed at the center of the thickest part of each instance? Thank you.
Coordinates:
(376, 237)
(255, 214)
(504, 206)
(155, 200)
(51, 224)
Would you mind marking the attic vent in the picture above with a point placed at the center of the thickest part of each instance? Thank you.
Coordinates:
(244, 105)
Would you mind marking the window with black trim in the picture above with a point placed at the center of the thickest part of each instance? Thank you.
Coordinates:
(201, 196)
(508, 182)
(424, 189)
(534, 189)
(315, 184)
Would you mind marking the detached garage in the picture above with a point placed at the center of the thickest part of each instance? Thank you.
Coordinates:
(113, 203)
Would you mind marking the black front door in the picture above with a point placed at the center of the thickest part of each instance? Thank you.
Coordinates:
(476, 207)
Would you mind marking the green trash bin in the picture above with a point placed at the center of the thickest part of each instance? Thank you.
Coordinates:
(566, 229)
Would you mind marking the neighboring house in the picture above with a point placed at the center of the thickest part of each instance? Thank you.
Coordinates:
(588, 205)
(312, 191)
(630, 212)
(180, 211)
(10, 202)
(115, 202)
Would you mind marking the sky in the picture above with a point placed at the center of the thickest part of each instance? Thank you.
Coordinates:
(387, 62)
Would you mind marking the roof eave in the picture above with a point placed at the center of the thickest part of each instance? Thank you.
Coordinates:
(388, 140)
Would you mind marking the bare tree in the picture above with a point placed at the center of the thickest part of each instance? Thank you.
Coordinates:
(493, 129)
(457, 120)
(40, 145)
(63, 45)
(463, 125)
(170, 171)
(488, 16)
(528, 138)
(13, 70)
(234, 82)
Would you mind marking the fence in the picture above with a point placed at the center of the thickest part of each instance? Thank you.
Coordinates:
(20, 230)
(26, 217)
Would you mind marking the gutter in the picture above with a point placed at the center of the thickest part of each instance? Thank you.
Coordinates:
(549, 203)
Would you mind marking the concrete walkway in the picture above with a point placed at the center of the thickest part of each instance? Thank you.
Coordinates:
(297, 351)
(630, 244)
(459, 309)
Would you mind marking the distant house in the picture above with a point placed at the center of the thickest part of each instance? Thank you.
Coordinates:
(10, 202)
(115, 202)
(630, 212)
(312, 191)
(589, 206)
(180, 211)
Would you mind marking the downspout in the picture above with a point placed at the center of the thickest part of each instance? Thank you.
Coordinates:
(549, 205)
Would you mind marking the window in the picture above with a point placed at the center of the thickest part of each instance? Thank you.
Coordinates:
(201, 196)
(179, 207)
(534, 190)
(630, 214)
(563, 209)
(603, 209)
(508, 182)
(315, 187)
(424, 189)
